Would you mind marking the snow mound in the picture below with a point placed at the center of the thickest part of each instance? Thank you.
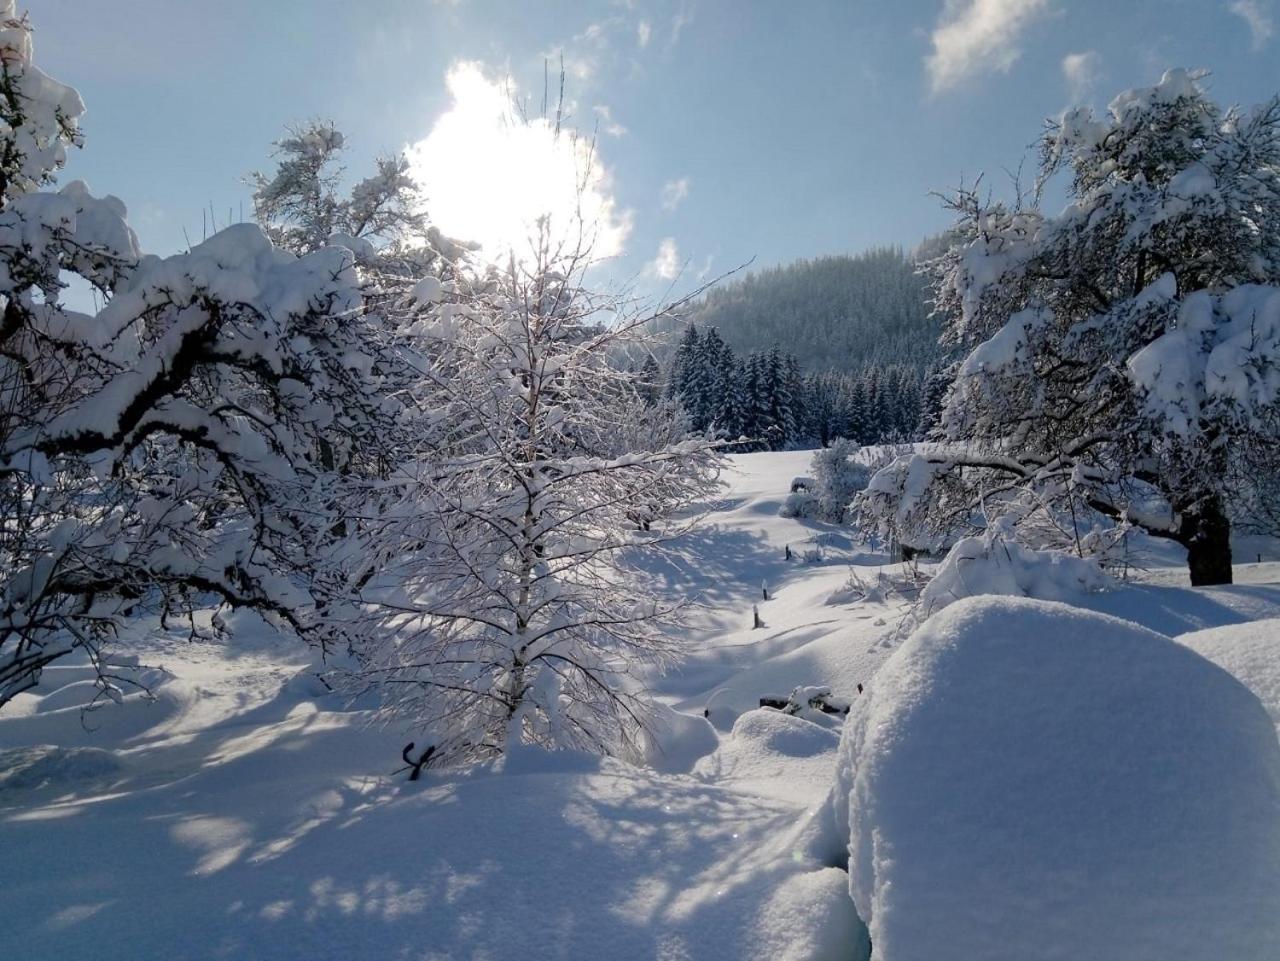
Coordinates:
(995, 564)
(773, 754)
(677, 740)
(1024, 780)
(809, 917)
(1250, 653)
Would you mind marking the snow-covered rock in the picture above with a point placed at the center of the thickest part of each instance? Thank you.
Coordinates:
(1024, 780)
(774, 755)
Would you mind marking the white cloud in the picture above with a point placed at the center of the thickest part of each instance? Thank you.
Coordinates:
(1081, 73)
(643, 33)
(1257, 14)
(666, 265)
(977, 36)
(674, 192)
(489, 176)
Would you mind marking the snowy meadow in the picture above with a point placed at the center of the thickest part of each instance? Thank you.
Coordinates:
(371, 589)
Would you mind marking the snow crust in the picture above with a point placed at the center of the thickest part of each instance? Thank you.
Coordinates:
(1249, 652)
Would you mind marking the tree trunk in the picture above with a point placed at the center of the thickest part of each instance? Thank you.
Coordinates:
(1205, 531)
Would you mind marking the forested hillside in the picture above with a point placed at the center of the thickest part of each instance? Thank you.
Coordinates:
(833, 313)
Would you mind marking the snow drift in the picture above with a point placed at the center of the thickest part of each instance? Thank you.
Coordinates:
(1025, 780)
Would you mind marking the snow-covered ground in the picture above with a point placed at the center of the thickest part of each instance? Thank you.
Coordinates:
(242, 814)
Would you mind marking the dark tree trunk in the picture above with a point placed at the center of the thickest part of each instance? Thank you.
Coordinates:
(1205, 532)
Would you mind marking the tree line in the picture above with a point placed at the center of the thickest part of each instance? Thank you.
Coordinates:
(766, 401)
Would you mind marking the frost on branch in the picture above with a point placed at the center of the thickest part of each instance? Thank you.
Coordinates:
(506, 597)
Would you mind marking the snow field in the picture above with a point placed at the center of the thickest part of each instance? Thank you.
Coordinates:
(988, 778)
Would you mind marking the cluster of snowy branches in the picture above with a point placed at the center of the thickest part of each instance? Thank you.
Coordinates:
(165, 448)
(1121, 364)
(765, 401)
(435, 469)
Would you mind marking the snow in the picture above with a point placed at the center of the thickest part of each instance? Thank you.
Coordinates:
(1250, 652)
(1224, 351)
(242, 812)
(239, 809)
(1025, 780)
(995, 564)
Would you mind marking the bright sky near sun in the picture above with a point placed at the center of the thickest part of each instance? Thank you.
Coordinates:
(723, 129)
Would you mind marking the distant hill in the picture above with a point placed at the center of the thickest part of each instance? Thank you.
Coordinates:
(841, 313)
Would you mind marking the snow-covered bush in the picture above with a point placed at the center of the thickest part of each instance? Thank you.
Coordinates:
(1120, 354)
(799, 504)
(1024, 780)
(994, 563)
(837, 478)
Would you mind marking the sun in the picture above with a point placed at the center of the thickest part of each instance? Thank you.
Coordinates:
(489, 175)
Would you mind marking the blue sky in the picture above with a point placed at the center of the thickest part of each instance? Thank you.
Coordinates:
(772, 130)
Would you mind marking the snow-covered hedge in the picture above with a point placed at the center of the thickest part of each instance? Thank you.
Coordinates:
(1024, 780)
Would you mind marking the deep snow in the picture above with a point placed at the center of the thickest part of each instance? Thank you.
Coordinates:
(243, 813)
(1029, 781)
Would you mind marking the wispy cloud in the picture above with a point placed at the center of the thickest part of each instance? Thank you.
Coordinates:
(1257, 14)
(1080, 70)
(607, 123)
(666, 265)
(643, 33)
(678, 23)
(674, 192)
(979, 36)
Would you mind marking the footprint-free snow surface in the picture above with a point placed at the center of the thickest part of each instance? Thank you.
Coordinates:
(242, 813)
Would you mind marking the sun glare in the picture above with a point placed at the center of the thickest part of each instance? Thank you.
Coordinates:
(489, 175)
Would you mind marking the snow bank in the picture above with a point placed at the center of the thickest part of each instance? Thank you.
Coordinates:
(677, 740)
(1025, 780)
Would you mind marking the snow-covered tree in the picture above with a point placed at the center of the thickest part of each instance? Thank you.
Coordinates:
(1120, 353)
(301, 205)
(164, 449)
(838, 476)
(508, 598)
